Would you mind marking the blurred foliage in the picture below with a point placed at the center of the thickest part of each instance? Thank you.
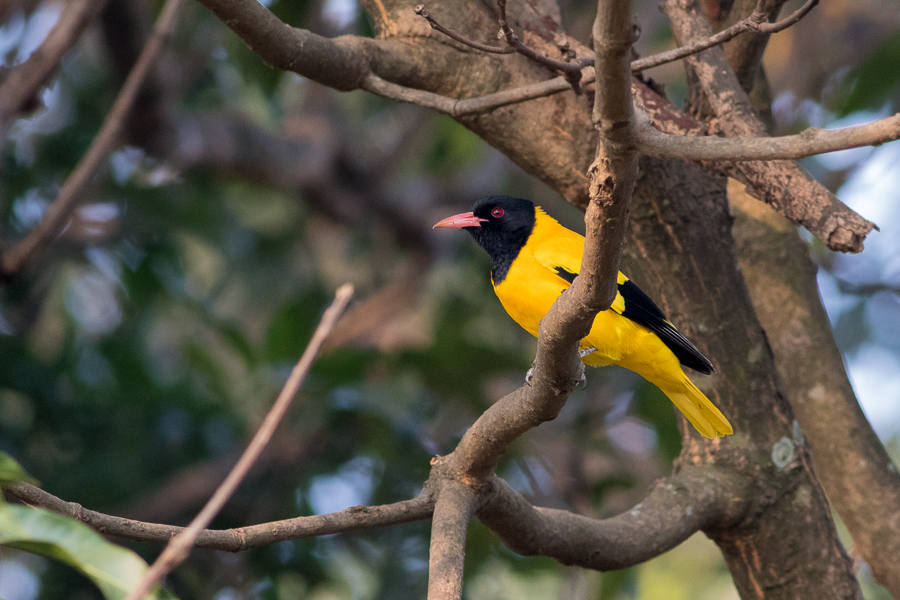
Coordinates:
(151, 340)
(875, 82)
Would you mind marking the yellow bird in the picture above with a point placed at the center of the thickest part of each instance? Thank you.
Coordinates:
(534, 258)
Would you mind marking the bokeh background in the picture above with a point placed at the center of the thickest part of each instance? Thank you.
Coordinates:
(141, 352)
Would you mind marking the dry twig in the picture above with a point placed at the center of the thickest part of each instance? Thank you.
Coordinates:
(57, 214)
(755, 23)
(177, 549)
(238, 539)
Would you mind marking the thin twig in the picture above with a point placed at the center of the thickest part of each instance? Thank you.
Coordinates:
(448, 541)
(423, 12)
(177, 549)
(240, 538)
(571, 70)
(58, 213)
(468, 106)
(755, 22)
(20, 88)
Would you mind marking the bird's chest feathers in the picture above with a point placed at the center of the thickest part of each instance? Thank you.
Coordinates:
(528, 291)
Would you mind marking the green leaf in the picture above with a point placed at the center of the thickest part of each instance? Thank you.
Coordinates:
(115, 570)
(12, 472)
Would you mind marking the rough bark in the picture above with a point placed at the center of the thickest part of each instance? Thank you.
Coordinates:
(861, 480)
(787, 546)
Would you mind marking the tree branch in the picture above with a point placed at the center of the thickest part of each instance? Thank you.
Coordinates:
(179, 546)
(19, 91)
(423, 12)
(695, 499)
(810, 142)
(784, 185)
(614, 170)
(58, 212)
(340, 63)
(822, 214)
(241, 538)
(755, 22)
(448, 541)
(745, 52)
(571, 70)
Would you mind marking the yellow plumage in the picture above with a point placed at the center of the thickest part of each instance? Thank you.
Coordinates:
(533, 283)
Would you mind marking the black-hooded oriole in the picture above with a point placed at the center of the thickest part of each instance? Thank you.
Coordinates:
(534, 258)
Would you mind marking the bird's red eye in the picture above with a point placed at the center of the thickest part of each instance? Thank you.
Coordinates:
(497, 212)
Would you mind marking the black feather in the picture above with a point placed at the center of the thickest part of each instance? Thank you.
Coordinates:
(566, 274)
(641, 309)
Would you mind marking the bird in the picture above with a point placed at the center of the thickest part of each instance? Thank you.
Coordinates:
(534, 259)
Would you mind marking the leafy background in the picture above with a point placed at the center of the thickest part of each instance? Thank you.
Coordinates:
(138, 356)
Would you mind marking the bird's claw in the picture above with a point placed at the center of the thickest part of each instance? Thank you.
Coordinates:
(585, 351)
(529, 376)
(581, 384)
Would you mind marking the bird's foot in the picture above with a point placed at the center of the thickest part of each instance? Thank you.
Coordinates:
(580, 385)
(585, 351)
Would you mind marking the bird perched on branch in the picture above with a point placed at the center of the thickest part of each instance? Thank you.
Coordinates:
(534, 259)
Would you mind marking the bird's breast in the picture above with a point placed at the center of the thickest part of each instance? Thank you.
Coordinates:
(528, 291)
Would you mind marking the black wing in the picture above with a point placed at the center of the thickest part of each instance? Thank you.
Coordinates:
(641, 309)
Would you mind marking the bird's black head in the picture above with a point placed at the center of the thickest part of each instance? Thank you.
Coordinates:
(501, 225)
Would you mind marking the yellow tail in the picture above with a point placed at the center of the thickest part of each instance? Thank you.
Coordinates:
(702, 413)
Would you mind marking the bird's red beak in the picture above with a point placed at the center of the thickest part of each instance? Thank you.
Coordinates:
(459, 221)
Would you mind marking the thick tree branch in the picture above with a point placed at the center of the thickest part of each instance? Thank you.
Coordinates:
(684, 255)
(570, 318)
(614, 170)
(448, 541)
(57, 214)
(862, 482)
(241, 538)
(19, 91)
(690, 501)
